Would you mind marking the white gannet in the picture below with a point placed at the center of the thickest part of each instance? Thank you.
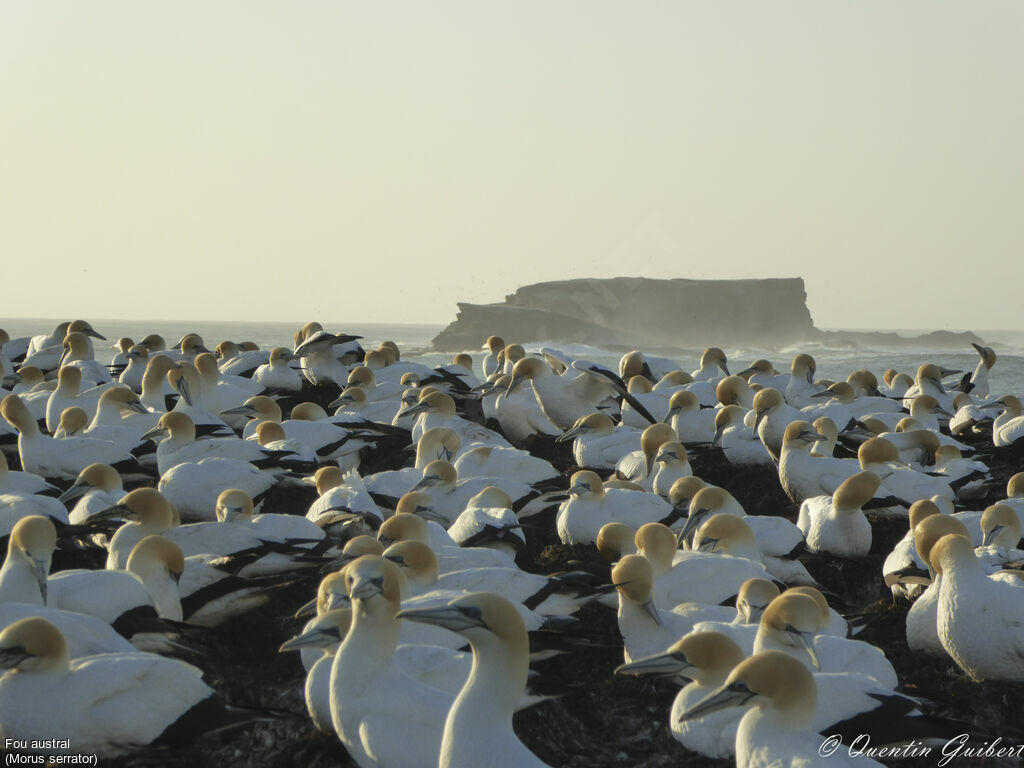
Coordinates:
(733, 390)
(157, 394)
(801, 384)
(899, 481)
(107, 704)
(493, 461)
(193, 488)
(369, 693)
(73, 421)
(732, 536)
(740, 444)
(979, 619)
(438, 410)
(320, 360)
(922, 619)
(488, 521)
(979, 379)
(638, 466)
(804, 476)
(407, 524)
(928, 381)
(85, 635)
(491, 365)
(77, 352)
(1008, 426)
(836, 524)
(277, 375)
(772, 415)
(478, 728)
(778, 730)
(61, 459)
(343, 502)
(67, 393)
(12, 481)
(23, 576)
(672, 464)
(713, 365)
(692, 423)
(598, 443)
(591, 505)
(518, 411)
(762, 373)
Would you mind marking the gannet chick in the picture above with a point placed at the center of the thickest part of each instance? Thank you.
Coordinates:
(23, 577)
(598, 443)
(107, 704)
(777, 730)
(836, 524)
(478, 729)
(979, 618)
(590, 506)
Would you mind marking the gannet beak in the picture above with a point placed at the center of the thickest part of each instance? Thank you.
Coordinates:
(110, 513)
(569, 434)
(746, 372)
(578, 489)
(137, 406)
(991, 535)
(418, 408)
(724, 367)
(513, 384)
(716, 440)
(660, 664)
(153, 434)
(176, 575)
(13, 656)
(342, 400)
(455, 618)
(651, 610)
(41, 570)
(241, 410)
(707, 545)
(823, 393)
(77, 490)
(802, 640)
(309, 609)
(692, 523)
(725, 697)
(231, 514)
(758, 418)
(336, 600)
(367, 588)
(428, 481)
(95, 335)
(315, 638)
(184, 390)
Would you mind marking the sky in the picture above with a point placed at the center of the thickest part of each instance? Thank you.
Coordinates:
(380, 162)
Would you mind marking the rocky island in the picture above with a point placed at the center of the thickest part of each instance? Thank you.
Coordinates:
(677, 313)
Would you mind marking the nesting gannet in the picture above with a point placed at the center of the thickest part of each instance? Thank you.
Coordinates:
(277, 375)
(494, 345)
(780, 728)
(15, 505)
(343, 502)
(732, 536)
(106, 704)
(792, 624)
(193, 488)
(772, 416)
(62, 459)
(693, 424)
(478, 728)
(713, 365)
(591, 505)
(368, 692)
(450, 495)
(1008, 426)
(762, 373)
(157, 394)
(240, 359)
(739, 443)
(77, 352)
(492, 461)
(804, 476)
(73, 421)
(488, 521)
(638, 466)
(320, 358)
(67, 393)
(438, 410)
(518, 412)
(564, 400)
(598, 443)
(979, 619)
(44, 351)
(800, 385)
(671, 464)
(22, 482)
(352, 405)
(836, 524)
(775, 536)
(85, 635)
(23, 577)
(880, 456)
(928, 381)
(188, 383)
(390, 485)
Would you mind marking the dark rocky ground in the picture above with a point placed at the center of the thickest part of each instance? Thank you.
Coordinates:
(606, 720)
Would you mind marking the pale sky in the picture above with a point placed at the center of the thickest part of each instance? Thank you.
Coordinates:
(381, 161)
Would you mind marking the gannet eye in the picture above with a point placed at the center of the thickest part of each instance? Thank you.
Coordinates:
(740, 687)
(473, 612)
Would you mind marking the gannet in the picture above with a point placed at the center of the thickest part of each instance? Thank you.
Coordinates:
(713, 365)
(22, 482)
(438, 410)
(739, 443)
(732, 536)
(44, 350)
(344, 502)
(590, 506)
(193, 488)
(106, 704)
(488, 521)
(277, 375)
(773, 415)
(62, 459)
(801, 384)
(762, 373)
(494, 345)
(979, 379)
(979, 618)
(187, 382)
(449, 495)
(15, 505)
(240, 359)
(922, 618)
(493, 461)
(73, 421)
(780, 728)
(836, 524)
(775, 536)
(598, 443)
(518, 411)
(1008, 426)
(692, 423)
(928, 381)
(880, 456)
(77, 353)
(804, 476)
(68, 393)
(85, 635)
(368, 692)
(671, 464)
(353, 405)
(478, 728)
(638, 466)
(320, 359)
(157, 394)
(23, 577)
(390, 485)
(733, 390)
(145, 511)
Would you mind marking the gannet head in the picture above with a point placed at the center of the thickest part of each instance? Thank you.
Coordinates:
(268, 432)
(146, 506)
(31, 376)
(332, 593)
(463, 360)
(726, 533)
(174, 424)
(154, 342)
(529, 368)
(593, 423)
(706, 501)
(683, 400)
(586, 485)
(75, 347)
(615, 540)
(766, 401)
(16, 412)
(408, 522)
(1015, 486)
(863, 382)
(396, 353)
(258, 407)
(714, 356)
(308, 412)
(819, 598)
(494, 344)
(633, 577)
(639, 385)
(191, 344)
(33, 644)
(951, 551)
(803, 367)
(101, 476)
(855, 491)
(675, 379)
(33, 540)
(122, 398)
(932, 528)
(438, 473)
(490, 497)
(683, 490)
(875, 451)
(671, 451)
(83, 327)
(793, 619)
(758, 366)
(657, 543)
(281, 356)
(434, 402)
(768, 679)
(362, 377)
(156, 555)
(72, 421)
(1000, 526)
(729, 390)
(327, 478)
(437, 443)
(800, 436)
(652, 438)
(754, 597)
(234, 504)
(325, 631)
(371, 576)
(354, 548)
(415, 558)
(706, 657)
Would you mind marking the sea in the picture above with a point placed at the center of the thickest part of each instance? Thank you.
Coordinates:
(834, 362)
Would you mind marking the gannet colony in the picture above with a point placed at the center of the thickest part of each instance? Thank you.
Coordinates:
(333, 555)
